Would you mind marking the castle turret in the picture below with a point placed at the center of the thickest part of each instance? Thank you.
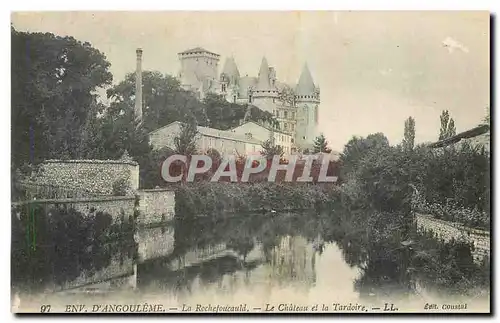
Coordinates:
(263, 82)
(229, 80)
(307, 99)
(230, 73)
(264, 94)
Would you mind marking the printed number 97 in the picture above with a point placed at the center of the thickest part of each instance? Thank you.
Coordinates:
(45, 309)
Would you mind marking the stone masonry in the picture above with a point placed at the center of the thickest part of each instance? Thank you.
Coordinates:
(448, 230)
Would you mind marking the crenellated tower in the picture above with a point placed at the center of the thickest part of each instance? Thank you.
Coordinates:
(198, 70)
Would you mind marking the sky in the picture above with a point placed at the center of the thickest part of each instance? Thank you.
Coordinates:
(374, 69)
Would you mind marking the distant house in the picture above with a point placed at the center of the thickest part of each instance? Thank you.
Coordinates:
(476, 137)
(225, 142)
(263, 133)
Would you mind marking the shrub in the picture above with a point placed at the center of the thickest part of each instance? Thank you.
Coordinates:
(121, 187)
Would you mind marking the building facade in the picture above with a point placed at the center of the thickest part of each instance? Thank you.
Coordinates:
(225, 142)
(296, 107)
(262, 133)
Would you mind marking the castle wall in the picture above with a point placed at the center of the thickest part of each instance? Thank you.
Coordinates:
(265, 103)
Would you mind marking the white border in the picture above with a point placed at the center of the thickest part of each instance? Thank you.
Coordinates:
(49, 5)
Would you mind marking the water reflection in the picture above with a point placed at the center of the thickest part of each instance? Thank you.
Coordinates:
(304, 258)
(242, 254)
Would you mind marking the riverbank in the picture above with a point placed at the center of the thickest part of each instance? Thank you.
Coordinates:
(219, 199)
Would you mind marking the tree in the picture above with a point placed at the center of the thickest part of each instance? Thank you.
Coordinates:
(447, 126)
(451, 129)
(409, 136)
(164, 101)
(357, 148)
(54, 83)
(321, 145)
(224, 115)
(269, 150)
(185, 142)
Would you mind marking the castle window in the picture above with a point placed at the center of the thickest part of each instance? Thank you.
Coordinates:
(223, 87)
(234, 98)
(286, 126)
(286, 114)
(249, 98)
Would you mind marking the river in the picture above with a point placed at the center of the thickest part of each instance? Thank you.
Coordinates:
(288, 262)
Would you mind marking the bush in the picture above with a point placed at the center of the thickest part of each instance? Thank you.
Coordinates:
(121, 187)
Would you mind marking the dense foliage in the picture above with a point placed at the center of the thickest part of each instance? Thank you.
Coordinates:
(214, 199)
(357, 148)
(54, 83)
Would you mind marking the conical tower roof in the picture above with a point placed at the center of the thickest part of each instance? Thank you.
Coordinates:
(263, 83)
(306, 84)
(230, 69)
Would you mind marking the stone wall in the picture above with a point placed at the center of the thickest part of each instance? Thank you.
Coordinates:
(93, 176)
(448, 230)
(154, 243)
(156, 206)
(116, 206)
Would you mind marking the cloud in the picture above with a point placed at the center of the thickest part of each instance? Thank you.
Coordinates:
(452, 45)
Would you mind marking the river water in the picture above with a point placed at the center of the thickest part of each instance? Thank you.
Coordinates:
(284, 263)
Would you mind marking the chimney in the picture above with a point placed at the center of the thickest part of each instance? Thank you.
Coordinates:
(138, 87)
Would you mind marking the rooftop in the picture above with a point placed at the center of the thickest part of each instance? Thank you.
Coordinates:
(212, 132)
(306, 84)
(474, 132)
(198, 50)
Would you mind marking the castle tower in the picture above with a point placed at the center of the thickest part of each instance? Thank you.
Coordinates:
(229, 80)
(198, 70)
(264, 94)
(307, 101)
